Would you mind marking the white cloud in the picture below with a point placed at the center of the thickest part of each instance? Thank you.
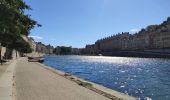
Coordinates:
(134, 30)
(36, 37)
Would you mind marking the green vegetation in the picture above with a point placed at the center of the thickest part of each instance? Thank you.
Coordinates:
(14, 23)
(62, 50)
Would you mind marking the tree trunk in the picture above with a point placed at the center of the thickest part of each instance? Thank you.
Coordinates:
(0, 56)
(16, 54)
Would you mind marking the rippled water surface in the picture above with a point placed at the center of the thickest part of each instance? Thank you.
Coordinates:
(140, 77)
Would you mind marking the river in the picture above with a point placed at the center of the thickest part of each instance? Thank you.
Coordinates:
(139, 77)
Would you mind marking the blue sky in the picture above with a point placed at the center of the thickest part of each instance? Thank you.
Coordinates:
(80, 22)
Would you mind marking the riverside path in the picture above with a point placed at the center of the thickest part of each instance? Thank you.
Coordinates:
(33, 82)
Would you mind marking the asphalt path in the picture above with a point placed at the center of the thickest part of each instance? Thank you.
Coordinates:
(33, 82)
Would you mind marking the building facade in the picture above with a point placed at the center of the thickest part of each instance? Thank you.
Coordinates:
(153, 37)
(42, 48)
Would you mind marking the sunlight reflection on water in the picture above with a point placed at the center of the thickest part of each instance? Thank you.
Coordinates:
(140, 77)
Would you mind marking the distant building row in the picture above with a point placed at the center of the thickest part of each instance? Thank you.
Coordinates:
(38, 46)
(42, 48)
(63, 50)
(153, 37)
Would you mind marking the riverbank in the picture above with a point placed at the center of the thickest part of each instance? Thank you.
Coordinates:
(137, 53)
(34, 81)
(109, 93)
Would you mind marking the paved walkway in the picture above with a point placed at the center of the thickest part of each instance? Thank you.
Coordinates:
(3, 68)
(33, 82)
(6, 81)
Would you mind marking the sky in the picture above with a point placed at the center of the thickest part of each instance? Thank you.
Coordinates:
(79, 22)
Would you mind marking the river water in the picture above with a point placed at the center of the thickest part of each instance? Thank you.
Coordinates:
(139, 77)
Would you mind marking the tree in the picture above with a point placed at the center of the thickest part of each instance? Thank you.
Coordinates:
(20, 45)
(14, 23)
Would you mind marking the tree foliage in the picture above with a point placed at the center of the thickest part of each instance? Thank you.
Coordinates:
(14, 23)
(62, 50)
(19, 44)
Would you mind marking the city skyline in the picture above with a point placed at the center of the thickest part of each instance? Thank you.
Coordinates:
(77, 23)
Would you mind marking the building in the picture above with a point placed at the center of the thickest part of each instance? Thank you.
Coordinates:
(41, 48)
(49, 49)
(115, 42)
(31, 42)
(75, 51)
(153, 37)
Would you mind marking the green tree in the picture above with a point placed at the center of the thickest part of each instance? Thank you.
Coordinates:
(14, 23)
